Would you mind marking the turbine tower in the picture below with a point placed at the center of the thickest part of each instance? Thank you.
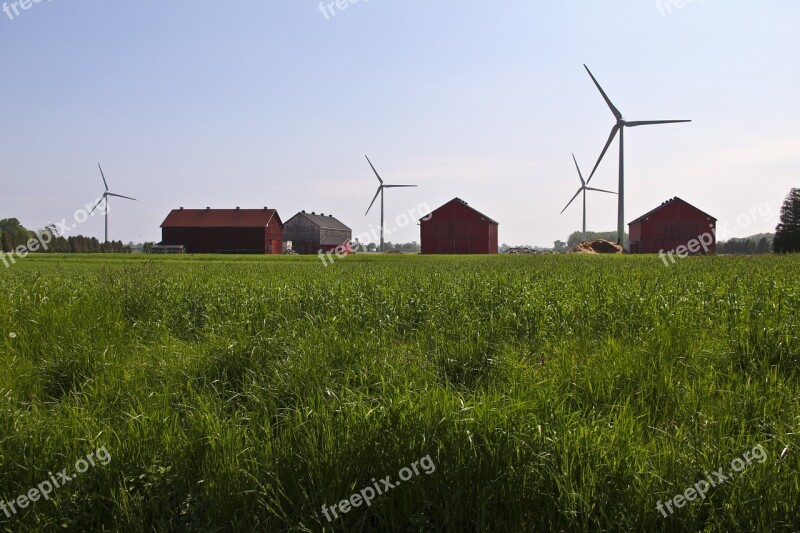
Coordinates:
(620, 127)
(583, 189)
(381, 187)
(104, 199)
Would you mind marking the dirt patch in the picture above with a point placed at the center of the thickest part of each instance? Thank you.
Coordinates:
(596, 247)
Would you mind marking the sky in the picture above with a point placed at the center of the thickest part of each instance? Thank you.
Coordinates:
(276, 103)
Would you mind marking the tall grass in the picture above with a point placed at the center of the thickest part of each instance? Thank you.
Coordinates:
(553, 393)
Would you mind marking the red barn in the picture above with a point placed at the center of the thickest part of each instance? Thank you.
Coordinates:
(456, 228)
(212, 231)
(673, 224)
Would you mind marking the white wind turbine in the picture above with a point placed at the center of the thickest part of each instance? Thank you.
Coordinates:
(583, 190)
(619, 127)
(381, 187)
(104, 199)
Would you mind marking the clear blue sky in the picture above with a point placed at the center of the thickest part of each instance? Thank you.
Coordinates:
(269, 103)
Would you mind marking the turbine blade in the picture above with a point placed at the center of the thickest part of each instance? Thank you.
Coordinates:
(579, 170)
(103, 176)
(375, 171)
(120, 196)
(573, 199)
(373, 200)
(396, 186)
(97, 204)
(599, 190)
(605, 96)
(614, 131)
(651, 122)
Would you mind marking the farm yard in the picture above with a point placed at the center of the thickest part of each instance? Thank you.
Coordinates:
(552, 393)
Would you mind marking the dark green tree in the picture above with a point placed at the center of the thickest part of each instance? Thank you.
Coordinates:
(6, 244)
(14, 233)
(787, 234)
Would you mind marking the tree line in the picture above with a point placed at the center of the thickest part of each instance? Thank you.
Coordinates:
(405, 247)
(753, 245)
(13, 235)
(785, 240)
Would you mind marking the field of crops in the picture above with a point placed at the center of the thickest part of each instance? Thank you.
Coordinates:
(547, 393)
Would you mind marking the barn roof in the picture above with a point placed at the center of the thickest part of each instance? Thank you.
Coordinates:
(323, 221)
(220, 218)
(465, 204)
(667, 203)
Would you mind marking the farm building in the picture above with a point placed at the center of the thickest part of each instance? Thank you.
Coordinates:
(310, 232)
(211, 231)
(457, 228)
(672, 224)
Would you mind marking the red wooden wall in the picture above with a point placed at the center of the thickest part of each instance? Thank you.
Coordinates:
(674, 224)
(456, 228)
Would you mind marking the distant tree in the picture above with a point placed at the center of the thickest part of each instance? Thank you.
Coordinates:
(409, 247)
(769, 236)
(787, 234)
(5, 242)
(14, 233)
(560, 246)
(9, 225)
(60, 246)
(763, 246)
(52, 229)
(733, 246)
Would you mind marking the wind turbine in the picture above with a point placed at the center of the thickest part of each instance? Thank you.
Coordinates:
(106, 194)
(620, 127)
(583, 189)
(381, 187)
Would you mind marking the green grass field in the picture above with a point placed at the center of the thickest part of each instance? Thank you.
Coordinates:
(552, 393)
